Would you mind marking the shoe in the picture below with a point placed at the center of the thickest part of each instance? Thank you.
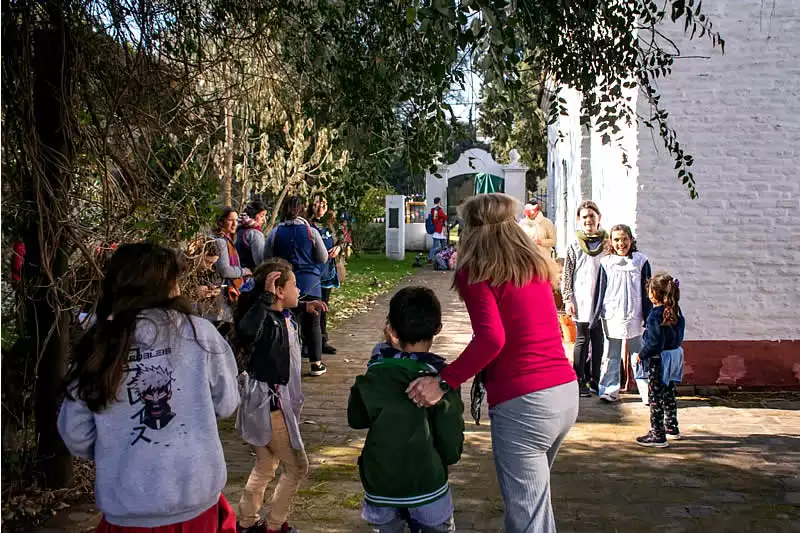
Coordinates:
(258, 527)
(318, 369)
(584, 391)
(673, 434)
(328, 350)
(652, 441)
(610, 398)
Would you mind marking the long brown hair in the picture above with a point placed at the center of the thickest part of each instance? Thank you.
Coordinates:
(667, 292)
(292, 207)
(138, 277)
(492, 247)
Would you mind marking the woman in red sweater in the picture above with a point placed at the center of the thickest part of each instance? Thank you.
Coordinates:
(516, 351)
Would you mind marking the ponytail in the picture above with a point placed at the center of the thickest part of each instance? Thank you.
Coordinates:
(667, 292)
(672, 295)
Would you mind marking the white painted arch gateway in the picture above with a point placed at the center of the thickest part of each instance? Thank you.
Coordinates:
(472, 162)
(452, 183)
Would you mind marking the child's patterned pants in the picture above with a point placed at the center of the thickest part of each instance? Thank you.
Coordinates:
(663, 405)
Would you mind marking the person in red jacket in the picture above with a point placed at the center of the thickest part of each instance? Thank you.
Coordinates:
(439, 218)
(516, 353)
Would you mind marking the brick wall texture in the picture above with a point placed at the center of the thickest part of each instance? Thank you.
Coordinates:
(736, 249)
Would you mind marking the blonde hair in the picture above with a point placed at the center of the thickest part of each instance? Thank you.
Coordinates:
(493, 248)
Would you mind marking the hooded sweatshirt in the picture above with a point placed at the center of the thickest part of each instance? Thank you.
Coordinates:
(157, 450)
(408, 449)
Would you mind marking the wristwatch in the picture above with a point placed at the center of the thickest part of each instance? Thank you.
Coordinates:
(443, 384)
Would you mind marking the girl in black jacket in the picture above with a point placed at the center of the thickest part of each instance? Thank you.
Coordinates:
(271, 395)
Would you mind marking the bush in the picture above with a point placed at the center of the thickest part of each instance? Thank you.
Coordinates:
(369, 237)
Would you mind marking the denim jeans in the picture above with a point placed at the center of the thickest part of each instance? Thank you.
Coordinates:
(612, 360)
(438, 246)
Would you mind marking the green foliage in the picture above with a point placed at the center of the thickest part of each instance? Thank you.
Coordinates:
(601, 48)
(515, 120)
(369, 237)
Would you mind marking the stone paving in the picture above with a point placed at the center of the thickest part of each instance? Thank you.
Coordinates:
(736, 470)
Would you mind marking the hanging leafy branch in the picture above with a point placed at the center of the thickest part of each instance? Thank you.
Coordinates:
(602, 48)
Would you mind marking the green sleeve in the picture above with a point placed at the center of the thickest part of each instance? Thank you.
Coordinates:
(357, 415)
(448, 427)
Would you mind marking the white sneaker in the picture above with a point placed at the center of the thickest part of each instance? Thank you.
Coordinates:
(610, 398)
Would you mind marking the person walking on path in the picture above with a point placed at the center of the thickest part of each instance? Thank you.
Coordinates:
(405, 460)
(663, 355)
(439, 220)
(518, 356)
(539, 228)
(144, 392)
(250, 241)
(296, 241)
(578, 284)
(272, 399)
(622, 306)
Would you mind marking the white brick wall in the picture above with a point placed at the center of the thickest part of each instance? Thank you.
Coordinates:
(564, 169)
(736, 249)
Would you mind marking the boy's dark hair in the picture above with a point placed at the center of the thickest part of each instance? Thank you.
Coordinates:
(415, 314)
(437, 201)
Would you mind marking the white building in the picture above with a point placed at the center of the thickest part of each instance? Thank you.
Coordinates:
(735, 249)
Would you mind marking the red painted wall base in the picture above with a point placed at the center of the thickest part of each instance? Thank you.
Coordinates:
(743, 364)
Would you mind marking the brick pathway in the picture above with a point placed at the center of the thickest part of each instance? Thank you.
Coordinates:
(737, 470)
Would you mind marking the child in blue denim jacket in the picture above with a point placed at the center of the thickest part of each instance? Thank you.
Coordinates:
(662, 353)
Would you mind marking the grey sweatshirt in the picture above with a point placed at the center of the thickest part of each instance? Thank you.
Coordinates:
(223, 264)
(157, 450)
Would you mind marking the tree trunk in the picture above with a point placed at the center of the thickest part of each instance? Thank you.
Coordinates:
(46, 322)
(228, 175)
(276, 210)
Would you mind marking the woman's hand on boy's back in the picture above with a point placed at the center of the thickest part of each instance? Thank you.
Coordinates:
(425, 392)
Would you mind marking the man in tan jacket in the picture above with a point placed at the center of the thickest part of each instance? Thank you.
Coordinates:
(539, 228)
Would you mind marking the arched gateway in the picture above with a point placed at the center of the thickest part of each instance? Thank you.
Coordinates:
(474, 172)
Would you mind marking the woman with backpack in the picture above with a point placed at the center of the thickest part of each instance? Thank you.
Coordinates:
(299, 243)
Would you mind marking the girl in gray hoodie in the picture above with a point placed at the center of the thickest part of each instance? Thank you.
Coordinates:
(143, 394)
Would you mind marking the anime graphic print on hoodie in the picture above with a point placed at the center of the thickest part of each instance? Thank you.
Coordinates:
(179, 377)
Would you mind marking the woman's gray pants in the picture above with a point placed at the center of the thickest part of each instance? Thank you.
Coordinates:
(526, 434)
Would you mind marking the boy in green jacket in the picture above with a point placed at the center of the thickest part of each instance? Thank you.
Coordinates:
(404, 462)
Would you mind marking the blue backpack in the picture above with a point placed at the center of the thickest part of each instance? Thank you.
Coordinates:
(430, 229)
